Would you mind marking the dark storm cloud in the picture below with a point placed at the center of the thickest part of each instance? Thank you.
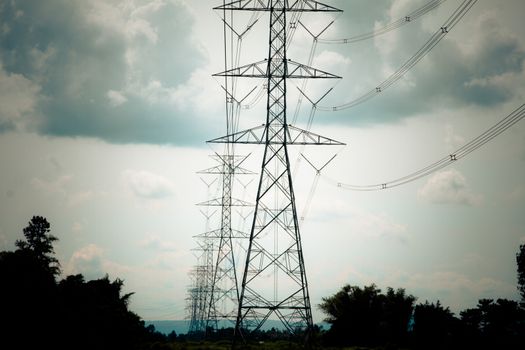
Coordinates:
(467, 78)
(92, 62)
(477, 70)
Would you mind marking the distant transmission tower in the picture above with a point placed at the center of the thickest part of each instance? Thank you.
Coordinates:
(223, 297)
(274, 281)
(201, 277)
(224, 289)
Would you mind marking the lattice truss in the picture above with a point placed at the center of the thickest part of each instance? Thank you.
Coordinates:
(274, 283)
(269, 256)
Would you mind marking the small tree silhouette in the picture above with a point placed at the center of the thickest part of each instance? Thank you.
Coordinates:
(40, 243)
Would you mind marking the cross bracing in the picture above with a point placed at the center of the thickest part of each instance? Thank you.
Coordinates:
(274, 283)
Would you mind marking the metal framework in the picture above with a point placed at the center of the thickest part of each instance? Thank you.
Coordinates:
(198, 299)
(224, 288)
(201, 277)
(274, 283)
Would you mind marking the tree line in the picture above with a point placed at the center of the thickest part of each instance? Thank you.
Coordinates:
(40, 310)
(368, 317)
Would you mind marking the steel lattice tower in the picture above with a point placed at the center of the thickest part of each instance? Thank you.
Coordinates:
(224, 292)
(201, 277)
(274, 280)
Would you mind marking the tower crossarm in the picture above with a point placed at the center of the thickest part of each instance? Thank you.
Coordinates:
(252, 70)
(217, 234)
(217, 202)
(298, 70)
(288, 5)
(228, 165)
(295, 136)
(260, 69)
(219, 170)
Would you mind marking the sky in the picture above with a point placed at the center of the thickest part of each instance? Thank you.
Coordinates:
(105, 107)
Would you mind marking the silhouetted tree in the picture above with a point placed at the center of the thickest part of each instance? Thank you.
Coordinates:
(495, 324)
(28, 297)
(172, 336)
(435, 327)
(366, 316)
(28, 301)
(520, 260)
(40, 243)
(471, 323)
(36, 312)
(96, 312)
(397, 311)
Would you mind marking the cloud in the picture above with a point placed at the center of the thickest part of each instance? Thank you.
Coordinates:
(92, 262)
(19, 97)
(88, 261)
(479, 63)
(361, 222)
(327, 60)
(147, 185)
(379, 225)
(61, 187)
(78, 198)
(448, 187)
(456, 289)
(70, 64)
(453, 140)
(480, 75)
(116, 98)
(57, 186)
(156, 244)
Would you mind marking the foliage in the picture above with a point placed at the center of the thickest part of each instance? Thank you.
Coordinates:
(365, 316)
(39, 312)
(27, 299)
(40, 243)
(520, 260)
(500, 323)
(434, 325)
(98, 308)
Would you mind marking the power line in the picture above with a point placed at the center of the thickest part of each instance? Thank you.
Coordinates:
(409, 18)
(463, 151)
(458, 14)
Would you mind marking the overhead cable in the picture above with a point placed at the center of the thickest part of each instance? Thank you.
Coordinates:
(458, 14)
(463, 151)
(423, 10)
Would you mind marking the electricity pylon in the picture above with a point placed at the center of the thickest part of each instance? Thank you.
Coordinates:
(201, 277)
(274, 281)
(224, 292)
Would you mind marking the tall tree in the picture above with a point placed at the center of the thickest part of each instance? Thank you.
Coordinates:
(520, 260)
(28, 293)
(434, 326)
(495, 324)
(397, 312)
(40, 243)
